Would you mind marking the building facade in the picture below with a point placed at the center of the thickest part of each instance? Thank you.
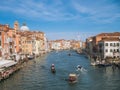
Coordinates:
(109, 47)
(92, 46)
(20, 41)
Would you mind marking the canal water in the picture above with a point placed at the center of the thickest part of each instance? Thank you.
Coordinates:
(36, 74)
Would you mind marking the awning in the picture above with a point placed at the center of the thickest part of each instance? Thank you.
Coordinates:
(7, 63)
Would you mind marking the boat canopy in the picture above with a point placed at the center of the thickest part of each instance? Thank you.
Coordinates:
(6, 63)
(72, 75)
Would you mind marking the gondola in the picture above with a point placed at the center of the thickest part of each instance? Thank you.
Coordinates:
(72, 78)
(53, 68)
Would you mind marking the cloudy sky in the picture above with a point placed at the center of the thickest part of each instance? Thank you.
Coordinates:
(73, 19)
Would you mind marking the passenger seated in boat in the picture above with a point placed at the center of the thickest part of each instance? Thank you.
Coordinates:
(79, 67)
(52, 65)
(72, 78)
(53, 68)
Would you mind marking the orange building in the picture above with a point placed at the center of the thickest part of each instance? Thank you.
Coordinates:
(20, 40)
(32, 42)
(10, 41)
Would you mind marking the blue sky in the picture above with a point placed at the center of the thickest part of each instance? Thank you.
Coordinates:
(69, 19)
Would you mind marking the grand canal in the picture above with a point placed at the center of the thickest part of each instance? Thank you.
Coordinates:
(36, 74)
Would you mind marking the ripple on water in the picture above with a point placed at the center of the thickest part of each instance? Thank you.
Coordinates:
(37, 76)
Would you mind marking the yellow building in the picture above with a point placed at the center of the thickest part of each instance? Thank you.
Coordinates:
(32, 42)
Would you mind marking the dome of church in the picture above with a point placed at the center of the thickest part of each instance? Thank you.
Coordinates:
(24, 28)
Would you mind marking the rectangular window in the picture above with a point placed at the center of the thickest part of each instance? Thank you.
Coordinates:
(106, 44)
(110, 44)
(111, 50)
(117, 44)
(117, 50)
(114, 50)
(106, 50)
(114, 45)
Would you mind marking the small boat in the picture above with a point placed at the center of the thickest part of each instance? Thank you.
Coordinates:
(104, 65)
(100, 64)
(72, 78)
(69, 54)
(94, 64)
(80, 68)
(53, 68)
(30, 57)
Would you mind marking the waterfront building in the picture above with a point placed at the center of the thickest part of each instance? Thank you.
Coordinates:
(17, 37)
(109, 47)
(66, 44)
(92, 42)
(39, 43)
(4, 40)
(29, 41)
(47, 48)
(83, 45)
(75, 44)
(50, 45)
(89, 46)
(8, 41)
(21, 41)
(36, 46)
(56, 45)
(43, 45)
(26, 43)
(34, 41)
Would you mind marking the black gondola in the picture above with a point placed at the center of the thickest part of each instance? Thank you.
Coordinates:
(53, 69)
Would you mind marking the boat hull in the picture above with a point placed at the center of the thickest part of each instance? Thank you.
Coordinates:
(53, 70)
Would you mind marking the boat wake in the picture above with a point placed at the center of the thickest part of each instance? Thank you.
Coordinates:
(81, 70)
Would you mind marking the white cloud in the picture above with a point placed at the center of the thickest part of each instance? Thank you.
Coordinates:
(82, 10)
(41, 10)
(96, 11)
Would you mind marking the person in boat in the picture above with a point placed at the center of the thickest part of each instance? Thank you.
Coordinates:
(72, 78)
(79, 67)
(53, 68)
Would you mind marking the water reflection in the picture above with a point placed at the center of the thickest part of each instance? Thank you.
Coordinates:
(37, 75)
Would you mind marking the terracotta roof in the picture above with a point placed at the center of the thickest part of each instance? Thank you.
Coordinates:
(6, 26)
(110, 39)
(109, 34)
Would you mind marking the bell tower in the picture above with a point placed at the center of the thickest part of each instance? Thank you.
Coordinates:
(16, 25)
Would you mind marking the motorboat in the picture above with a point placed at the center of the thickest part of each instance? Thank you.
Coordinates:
(72, 78)
(94, 64)
(80, 68)
(30, 57)
(104, 65)
(53, 68)
(100, 64)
